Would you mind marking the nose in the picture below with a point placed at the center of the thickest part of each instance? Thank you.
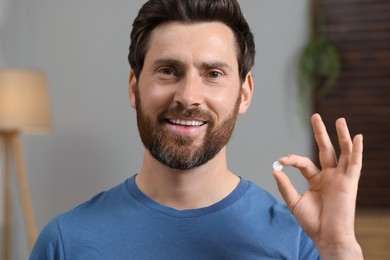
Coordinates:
(190, 91)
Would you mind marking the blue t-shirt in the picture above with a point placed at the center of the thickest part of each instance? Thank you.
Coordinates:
(123, 223)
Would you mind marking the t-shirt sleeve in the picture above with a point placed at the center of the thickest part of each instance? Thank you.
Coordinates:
(307, 249)
(49, 245)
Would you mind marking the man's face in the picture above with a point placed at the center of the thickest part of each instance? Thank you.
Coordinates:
(188, 94)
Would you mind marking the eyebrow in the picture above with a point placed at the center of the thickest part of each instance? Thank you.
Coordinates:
(217, 64)
(170, 62)
(207, 64)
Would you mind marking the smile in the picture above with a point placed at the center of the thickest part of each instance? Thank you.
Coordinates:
(186, 122)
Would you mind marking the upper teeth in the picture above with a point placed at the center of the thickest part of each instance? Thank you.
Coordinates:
(186, 122)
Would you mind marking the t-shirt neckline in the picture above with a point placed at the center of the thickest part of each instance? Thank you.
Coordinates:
(189, 213)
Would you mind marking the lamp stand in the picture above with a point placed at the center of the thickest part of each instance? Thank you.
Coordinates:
(11, 145)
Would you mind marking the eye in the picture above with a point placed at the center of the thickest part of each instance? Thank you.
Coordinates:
(215, 74)
(166, 71)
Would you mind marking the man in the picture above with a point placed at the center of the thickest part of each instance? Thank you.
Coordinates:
(190, 79)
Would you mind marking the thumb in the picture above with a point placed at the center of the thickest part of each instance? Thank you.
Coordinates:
(286, 188)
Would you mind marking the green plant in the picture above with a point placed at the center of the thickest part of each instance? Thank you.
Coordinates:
(319, 64)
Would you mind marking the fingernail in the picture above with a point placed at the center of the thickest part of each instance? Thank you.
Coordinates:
(284, 158)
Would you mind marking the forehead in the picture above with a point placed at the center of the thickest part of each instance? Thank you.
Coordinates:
(206, 39)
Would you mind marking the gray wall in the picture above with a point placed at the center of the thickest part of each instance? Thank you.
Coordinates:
(94, 143)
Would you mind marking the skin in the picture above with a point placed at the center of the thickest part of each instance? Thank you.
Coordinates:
(188, 66)
(326, 211)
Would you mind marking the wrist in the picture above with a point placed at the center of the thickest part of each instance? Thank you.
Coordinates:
(351, 251)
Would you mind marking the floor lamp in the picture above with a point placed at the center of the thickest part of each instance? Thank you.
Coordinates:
(24, 108)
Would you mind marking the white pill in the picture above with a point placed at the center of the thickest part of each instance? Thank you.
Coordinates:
(277, 166)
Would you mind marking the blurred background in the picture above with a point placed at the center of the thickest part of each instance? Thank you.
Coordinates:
(82, 46)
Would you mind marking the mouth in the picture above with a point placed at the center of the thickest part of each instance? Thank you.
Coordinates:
(185, 123)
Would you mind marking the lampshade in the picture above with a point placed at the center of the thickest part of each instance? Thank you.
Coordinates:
(24, 101)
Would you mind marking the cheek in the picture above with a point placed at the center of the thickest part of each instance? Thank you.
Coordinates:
(222, 102)
(152, 96)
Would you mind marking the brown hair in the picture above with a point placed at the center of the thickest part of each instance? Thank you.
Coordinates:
(156, 12)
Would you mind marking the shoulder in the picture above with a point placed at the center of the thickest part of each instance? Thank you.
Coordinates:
(266, 215)
(86, 218)
(49, 244)
(264, 200)
(265, 206)
(64, 230)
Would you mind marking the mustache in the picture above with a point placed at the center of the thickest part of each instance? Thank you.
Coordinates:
(180, 111)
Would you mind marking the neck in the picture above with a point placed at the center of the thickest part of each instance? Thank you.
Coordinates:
(187, 189)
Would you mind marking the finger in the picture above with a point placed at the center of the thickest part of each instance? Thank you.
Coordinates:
(289, 194)
(303, 164)
(326, 150)
(345, 143)
(356, 160)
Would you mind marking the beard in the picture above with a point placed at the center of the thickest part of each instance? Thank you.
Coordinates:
(183, 152)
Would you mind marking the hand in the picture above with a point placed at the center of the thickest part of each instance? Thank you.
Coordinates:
(326, 211)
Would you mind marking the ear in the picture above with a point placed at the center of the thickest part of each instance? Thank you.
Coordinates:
(246, 93)
(132, 87)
